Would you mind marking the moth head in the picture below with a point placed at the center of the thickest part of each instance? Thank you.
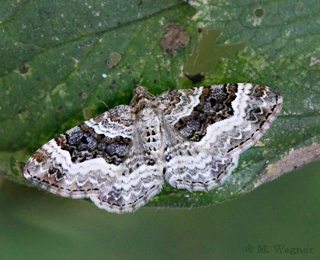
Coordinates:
(141, 97)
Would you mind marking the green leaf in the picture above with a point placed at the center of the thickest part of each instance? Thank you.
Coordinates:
(54, 56)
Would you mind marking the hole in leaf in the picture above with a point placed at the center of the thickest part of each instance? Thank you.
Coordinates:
(259, 12)
(24, 69)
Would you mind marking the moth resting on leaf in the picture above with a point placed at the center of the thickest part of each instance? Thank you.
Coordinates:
(191, 138)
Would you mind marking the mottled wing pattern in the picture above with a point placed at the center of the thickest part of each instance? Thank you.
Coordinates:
(103, 159)
(205, 129)
(117, 159)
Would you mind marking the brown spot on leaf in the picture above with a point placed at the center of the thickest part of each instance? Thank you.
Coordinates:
(174, 38)
(114, 59)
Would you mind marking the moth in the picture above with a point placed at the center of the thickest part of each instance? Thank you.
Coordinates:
(190, 138)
